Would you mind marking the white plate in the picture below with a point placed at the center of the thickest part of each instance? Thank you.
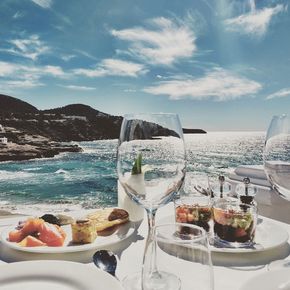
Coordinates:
(120, 233)
(269, 235)
(272, 280)
(60, 275)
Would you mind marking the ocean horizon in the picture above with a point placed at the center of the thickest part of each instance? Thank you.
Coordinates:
(88, 179)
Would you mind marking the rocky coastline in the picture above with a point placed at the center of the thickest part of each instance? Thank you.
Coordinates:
(16, 152)
(28, 133)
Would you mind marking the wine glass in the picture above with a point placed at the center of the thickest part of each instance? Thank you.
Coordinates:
(151, 169)
(276, 157)
(196, 182)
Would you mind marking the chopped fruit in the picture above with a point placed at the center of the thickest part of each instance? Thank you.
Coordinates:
(194, 214)
(31, 226)
(49, 234)
(182, 218)
(31, 241)
(16, 236)
(240, 232)
(37, 232)
(220, 216)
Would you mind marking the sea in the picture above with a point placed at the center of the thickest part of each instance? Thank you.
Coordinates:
(85, 180)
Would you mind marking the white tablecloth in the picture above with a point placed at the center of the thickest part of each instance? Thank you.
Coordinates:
(230, 270)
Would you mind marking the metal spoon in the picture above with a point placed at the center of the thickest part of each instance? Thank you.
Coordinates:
(106, 261)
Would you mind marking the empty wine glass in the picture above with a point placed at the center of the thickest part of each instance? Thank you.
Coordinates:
(196, 182)
(276, 157)
(151, 169)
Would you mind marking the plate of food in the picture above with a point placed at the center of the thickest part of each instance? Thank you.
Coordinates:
(51, 234)
(268, 235)
(41, 274)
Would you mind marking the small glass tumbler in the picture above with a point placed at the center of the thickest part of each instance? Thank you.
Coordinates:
(234, 223)
(183, 249)
(194, 209)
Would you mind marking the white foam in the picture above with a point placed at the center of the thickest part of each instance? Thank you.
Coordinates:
(32, 169)
(61, 171)
(10, 175)
(40, 209)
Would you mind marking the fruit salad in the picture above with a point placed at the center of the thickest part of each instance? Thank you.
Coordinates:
(236, 224)
(35, 232)
(194, 214)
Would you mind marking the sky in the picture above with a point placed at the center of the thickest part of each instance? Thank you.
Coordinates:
(222, 65)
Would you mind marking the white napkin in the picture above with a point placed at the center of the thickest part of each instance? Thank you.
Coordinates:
(255, 171)
(256, 174)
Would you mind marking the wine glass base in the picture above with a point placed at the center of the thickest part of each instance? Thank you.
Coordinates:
(157, 281)
(279, 264)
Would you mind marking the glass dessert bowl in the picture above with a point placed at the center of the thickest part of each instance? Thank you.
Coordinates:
(234, 223)
(195, 210)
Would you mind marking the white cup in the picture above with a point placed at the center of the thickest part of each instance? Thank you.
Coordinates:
(136, 212)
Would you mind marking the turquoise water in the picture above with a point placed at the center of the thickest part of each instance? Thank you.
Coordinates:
(89, 179)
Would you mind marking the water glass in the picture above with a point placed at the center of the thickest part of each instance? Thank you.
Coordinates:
(182, 249)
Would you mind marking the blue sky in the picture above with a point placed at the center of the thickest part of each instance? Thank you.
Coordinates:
(219, 64)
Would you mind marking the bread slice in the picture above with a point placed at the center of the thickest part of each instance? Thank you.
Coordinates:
(108, 217)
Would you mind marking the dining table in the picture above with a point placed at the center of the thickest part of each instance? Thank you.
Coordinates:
(231, 269)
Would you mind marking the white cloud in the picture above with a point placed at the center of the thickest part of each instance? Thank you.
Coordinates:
(86, 54)
(25, 76)
(67, 57)
(46, 4)
(219, 84)
(18, 14)
(162, 42)
(280, 94)
(53, 70)
(255, 22)
(24, 84)
(130, 91)
(78, 88)
(31, 47)
(113, 67)
(7, 68)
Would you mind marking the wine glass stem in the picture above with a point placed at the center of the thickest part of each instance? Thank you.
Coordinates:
(149, 258)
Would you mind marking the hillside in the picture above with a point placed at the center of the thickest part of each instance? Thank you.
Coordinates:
(75, 122)
(12, 105)
(34, 133)
(77, 110)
